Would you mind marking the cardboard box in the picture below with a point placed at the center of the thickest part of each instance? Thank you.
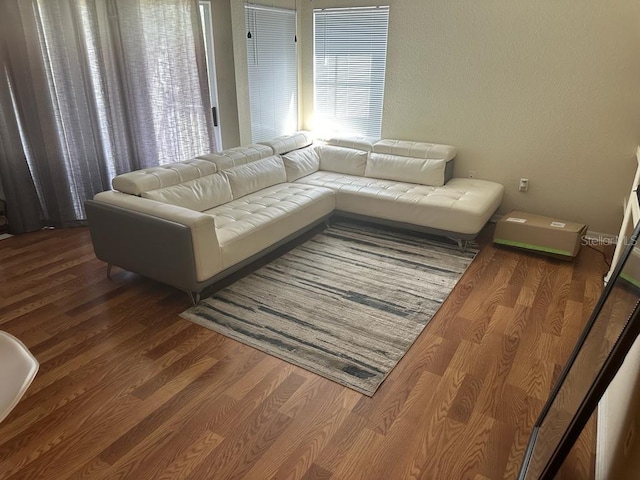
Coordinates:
(546, 235)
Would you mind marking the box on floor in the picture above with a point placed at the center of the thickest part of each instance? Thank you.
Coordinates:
(537, 233)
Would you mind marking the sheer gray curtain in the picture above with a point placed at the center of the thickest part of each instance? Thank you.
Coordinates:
(90, 89)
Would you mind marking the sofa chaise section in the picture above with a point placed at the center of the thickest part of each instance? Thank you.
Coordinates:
(459, 211)
(379, 182)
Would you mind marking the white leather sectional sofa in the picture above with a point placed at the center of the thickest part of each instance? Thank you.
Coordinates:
(191, 223)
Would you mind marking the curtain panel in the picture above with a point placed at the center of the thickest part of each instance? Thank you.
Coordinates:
(90, 89)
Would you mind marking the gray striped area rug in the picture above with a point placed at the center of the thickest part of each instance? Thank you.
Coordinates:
(347, 304)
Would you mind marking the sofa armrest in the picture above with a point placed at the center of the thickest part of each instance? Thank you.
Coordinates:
(171, 244)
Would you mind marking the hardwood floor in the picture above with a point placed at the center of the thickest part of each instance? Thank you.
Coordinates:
(128, 389)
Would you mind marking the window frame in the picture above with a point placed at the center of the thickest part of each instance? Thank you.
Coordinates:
(357, 99)
(273, 95)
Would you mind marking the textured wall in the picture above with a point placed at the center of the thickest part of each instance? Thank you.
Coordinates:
(547, 90)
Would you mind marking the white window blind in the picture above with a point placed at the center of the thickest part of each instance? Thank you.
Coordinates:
(350, 56)
(273, 71)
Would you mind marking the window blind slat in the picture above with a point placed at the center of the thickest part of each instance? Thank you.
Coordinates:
(350, 50)
(273, 71)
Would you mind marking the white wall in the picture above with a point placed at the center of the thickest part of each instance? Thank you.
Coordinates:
(547, 90)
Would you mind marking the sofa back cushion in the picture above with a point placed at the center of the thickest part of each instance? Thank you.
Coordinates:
(406, 169)
(233, 157)
(254, 176)
(301, 163)
(342, 160)
(200, 194)
(153, 178)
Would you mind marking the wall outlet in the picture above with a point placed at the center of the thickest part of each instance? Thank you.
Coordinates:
(629, 439)
(472, 174)
(524, 185)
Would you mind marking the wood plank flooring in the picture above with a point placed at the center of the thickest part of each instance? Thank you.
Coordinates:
(128, 389)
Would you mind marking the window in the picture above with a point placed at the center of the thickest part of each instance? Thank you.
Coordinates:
(350, 56)
(273, 71)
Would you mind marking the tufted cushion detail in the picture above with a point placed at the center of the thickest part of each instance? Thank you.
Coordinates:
(238, 155)
(415, 149)
(249, 224)
(463, 205)
(258, 208)
(358, 143)
(153, 178)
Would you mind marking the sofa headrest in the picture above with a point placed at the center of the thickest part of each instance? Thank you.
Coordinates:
(139, 181)
(233, 157)
(406, 148)
(358, 143)
(287, 143)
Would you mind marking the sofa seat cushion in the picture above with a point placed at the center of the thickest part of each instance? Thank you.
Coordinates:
(254, 222)
(461, 206)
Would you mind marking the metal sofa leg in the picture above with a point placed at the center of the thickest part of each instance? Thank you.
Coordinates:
(462, 244)
(194, 297)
